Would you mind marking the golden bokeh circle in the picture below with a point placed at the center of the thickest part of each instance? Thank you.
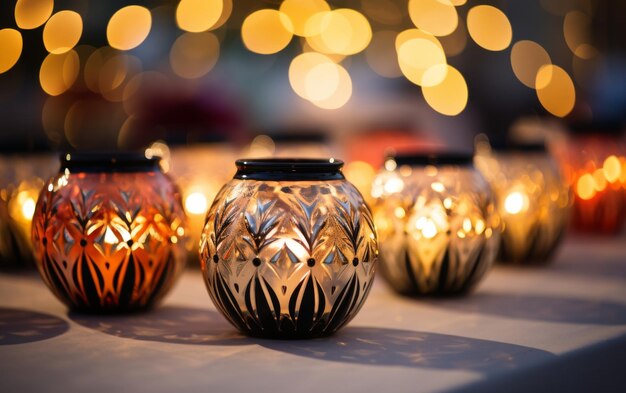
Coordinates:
(62, 31)
(11, 45)
(489, 27)
(266, 31)
(129, 27)
(450, 96)
(30, 14)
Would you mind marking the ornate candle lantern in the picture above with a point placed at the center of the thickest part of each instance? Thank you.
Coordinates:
(289, 248)
(436, 222)
(21, 178)
(532, 199)
(595, 167)
(188, 167)
(109, 232)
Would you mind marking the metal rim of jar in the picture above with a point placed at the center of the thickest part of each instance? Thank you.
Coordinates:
(434, 159)
(109, 162)
(289, 169)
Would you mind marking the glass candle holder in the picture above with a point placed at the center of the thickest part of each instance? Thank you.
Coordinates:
(188, 167)
(21, 179)
(595, 167)
(532, 199)
(289, 248)
(109, 232)
(437, 224)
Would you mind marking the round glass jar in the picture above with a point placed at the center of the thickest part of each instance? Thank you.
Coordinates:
(21, 178)
(437, 224)
(594, 164)
(289, 248)
(109, 232)
(532, 199)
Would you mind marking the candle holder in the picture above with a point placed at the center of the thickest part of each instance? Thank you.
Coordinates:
(188, 167)
(109, 232)
(532, 199)
(289, 248)
(594, 164)
(20, 182)
(437, 223)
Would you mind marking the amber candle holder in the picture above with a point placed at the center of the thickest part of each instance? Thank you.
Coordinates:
(109, 232)
(289, 248)
(21, 179)
(188, 167)
(532, 199)
(595, 168)
(437, 223)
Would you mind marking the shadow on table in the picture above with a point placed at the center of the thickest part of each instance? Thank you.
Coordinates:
(394, 347)
(168, 324)
(19, 326)
(539, 308)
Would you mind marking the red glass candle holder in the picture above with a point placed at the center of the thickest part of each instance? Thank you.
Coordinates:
(595, 168)
(109, 232)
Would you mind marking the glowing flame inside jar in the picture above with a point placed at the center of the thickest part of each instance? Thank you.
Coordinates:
(515, 202)
(28, 208)
(196, 203)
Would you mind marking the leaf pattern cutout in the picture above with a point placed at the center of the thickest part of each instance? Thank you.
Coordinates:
(112, 244)
(293, 274)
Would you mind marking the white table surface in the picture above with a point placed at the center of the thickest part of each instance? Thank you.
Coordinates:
(557, 327)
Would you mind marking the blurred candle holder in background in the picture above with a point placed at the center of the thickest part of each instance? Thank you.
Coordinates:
(21, 179)
(437, 223)
(289, 249)
(109, 232)
(200, 170)
(594, 163)
(366, 151)
(532, 199)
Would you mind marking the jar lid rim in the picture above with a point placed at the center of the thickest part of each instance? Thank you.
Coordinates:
(434, 158)
(289, 168)
(103, 161)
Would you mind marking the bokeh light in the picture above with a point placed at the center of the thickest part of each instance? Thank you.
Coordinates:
(194, 54)
(455, 43)
(527, 57)
(58, 72)
(416, 56)
(386, 12)
(612, 168)
(300, 11)
(489, 27)
(62, 31)
(555, 90)
(266, 31)
(200, 15)
(576, 29)
(302, 65)
(129, 27)
(315, 77)
(11, 45)
(438, 17)
(450, 96)
(341, 95)
(115, 73)
(30, 14)
(345, 31)
(381, 55)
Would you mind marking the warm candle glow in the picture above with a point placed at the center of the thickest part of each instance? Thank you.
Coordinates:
(515, 202)
(196, 203)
